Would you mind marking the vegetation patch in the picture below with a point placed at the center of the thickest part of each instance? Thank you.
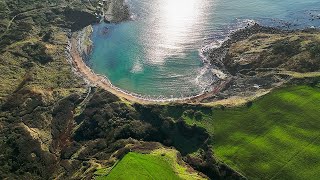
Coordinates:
(158, 164)
(276, 136)
(294, 51)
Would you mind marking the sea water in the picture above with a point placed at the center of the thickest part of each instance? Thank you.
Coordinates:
(157, 54)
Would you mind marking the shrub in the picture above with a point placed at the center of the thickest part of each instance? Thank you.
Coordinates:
(249, 104)
(198, 115)
(37, 51)
(286, 47)
(314, 50)
(189, 113)
(222, 107)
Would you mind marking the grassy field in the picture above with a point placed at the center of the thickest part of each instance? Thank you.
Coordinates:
(159, 164)
(277, 137)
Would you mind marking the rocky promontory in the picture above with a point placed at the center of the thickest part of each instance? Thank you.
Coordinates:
(257, 59)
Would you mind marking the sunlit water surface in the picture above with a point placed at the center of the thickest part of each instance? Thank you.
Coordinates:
(157, 54)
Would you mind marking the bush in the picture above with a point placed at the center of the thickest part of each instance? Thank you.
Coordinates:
(37, 51)
(198, 115)
(189, 113)
(314, 50)
(286, 47)
(222, 107)
(249, 104)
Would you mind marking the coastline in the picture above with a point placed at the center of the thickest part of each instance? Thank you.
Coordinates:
(225, 92)
(93, 79)
(79, 50)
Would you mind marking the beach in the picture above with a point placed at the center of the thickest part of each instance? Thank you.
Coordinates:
(97, 80)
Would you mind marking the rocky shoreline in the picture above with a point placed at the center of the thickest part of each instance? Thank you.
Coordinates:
(256, 81)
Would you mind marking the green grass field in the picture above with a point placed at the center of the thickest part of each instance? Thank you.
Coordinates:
(278, 137)
(160, 164)
(142, 166)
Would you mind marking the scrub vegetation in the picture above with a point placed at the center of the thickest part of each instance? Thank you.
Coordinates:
(297, 51)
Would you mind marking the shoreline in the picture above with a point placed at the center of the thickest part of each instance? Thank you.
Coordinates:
(206, 98)
(93, 79)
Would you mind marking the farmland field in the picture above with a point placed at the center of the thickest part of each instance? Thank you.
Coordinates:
(276, 137)
(159, 164)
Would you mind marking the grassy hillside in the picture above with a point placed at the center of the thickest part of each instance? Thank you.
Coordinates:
(159, 164)
(276, 137)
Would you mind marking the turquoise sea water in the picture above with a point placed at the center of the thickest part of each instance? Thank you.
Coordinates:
(157, 54)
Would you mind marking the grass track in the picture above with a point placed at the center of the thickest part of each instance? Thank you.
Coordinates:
(278, 137)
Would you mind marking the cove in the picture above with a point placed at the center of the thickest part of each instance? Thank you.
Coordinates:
(158, 53)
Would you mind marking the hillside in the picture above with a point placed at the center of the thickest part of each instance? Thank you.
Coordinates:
(56, 125)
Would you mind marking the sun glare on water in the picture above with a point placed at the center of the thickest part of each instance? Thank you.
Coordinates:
(175, 22)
